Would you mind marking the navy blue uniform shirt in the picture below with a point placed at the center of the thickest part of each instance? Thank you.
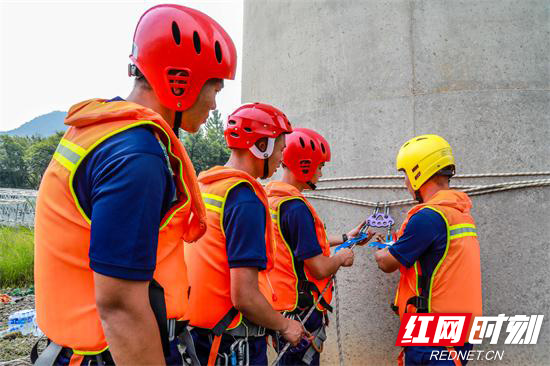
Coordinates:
(424, 239)
(244, 225)
(298, 230)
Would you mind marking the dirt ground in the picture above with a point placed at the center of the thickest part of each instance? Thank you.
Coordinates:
(15, 348)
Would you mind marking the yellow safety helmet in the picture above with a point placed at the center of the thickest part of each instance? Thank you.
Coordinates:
(423, 156)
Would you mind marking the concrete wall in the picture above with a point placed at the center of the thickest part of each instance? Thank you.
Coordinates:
(371, 74)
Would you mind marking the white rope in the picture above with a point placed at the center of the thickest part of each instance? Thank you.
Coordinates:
(402, 186)
(379, 186)
(337, 318)
(476, 191)
(479, 175)
(304, 320)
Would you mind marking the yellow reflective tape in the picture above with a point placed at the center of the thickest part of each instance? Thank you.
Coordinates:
(212, 202)
(278, 220)
(64, 161)
(89, 353)
(462, 231)
(442, 258)
(462, 235)
(73, 147)
(212, 197)
(461, 226)
(212, 208)
(416, 278)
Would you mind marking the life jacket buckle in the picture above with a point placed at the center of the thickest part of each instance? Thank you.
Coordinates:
(420, 303)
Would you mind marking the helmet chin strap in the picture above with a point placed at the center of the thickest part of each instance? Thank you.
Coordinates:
(311, 185)
(418, 197)
(177, 123)
(266, 169)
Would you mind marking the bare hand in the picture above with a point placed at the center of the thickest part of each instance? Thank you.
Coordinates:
(355, 231)
(370, 234)
(380, 238)
(346, 256)
(294, 332)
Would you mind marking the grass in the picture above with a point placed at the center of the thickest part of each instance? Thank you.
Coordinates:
(16, 256)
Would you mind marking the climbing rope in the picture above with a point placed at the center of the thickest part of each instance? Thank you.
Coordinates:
(337, 320)
(478, 175)
(304, 320)
(379, 186)
(471, 190)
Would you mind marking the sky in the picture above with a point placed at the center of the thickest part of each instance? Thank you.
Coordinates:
(56, 54)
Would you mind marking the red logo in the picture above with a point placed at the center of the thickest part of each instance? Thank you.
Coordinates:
(433, 329)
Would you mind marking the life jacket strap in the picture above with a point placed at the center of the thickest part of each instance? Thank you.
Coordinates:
(309, 287)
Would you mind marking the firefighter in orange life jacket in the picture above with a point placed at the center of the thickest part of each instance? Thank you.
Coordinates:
(113, 212)
(437, 250)
(303, 265)
(231, 295)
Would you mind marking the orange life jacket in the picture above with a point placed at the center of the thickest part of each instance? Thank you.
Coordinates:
(65, 300)
(455, 285)
(209, 277)
(289, 278)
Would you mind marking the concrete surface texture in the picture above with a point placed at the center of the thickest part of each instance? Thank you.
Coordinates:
(369, 75)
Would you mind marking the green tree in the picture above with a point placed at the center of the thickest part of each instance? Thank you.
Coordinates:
(13, 170)
(38, 156)
(207, 148)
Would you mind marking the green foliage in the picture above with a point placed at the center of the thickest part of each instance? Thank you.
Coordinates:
(16, 256)
(207, 148)
(23, 160)
(13, 171)
(38, 156)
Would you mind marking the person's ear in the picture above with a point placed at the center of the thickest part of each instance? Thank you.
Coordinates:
(261, 144)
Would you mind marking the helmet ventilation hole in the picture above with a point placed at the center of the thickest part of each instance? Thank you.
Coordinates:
(421, 138)
(312, 145)
(232, 122)
(176, 33)
(323, 148)
(234, 134)
(248, 129)
(302, 143)
(218, 50)
(197, 42)
(415, 167)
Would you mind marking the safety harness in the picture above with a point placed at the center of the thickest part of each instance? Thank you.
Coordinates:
(239, 350)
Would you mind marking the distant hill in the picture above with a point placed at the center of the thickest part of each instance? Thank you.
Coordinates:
(44, 125)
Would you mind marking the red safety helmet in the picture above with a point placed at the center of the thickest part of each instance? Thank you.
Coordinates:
(305, 150)
(250, 122)
(178, 49)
